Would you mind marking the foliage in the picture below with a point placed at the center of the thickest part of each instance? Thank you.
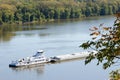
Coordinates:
(17, 11)
(115, 75)
(106, 41)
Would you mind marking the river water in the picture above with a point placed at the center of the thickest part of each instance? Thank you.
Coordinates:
(55, 38)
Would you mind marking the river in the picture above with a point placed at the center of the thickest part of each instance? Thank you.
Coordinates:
(55, 38)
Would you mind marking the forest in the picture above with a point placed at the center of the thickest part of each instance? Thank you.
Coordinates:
(31, 11)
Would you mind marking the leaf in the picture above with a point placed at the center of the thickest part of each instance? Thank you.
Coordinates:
(93, 29)
(85, 45)
(106, 28)
(94, 38)
(95, 33)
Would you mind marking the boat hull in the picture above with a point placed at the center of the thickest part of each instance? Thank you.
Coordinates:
(26, 64)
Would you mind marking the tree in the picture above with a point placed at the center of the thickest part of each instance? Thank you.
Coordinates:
(106, 41)
(57, 14)
(88, 11)
(42, 10)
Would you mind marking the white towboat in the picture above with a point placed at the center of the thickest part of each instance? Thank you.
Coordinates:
(35, 59)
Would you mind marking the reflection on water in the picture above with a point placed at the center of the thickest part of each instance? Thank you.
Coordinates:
(5, 33)
(8, 31)
(39, 68)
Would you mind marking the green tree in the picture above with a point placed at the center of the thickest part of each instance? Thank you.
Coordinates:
(18, 16)
(72, 15)
(110, 10)
(106, 41)
(43, 10)
(57, 13)
(88, 11)
(51, 14)
(1, 22)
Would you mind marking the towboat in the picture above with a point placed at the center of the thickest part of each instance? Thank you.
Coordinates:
(35, 59)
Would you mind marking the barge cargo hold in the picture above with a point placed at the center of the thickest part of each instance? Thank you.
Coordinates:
(70, 56)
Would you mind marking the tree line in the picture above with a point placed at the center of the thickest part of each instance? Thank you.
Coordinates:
(21, 11)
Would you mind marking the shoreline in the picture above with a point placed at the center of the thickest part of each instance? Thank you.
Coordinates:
(20, 23)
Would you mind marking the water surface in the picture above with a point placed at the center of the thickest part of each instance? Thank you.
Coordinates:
(60, 37)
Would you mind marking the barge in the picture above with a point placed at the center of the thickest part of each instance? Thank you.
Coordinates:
(70, 56)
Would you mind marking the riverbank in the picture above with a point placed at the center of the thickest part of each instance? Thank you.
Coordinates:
(28, 23)
(51, 21)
